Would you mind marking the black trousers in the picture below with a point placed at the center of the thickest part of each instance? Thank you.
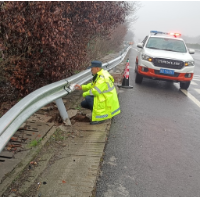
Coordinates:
(88, 102)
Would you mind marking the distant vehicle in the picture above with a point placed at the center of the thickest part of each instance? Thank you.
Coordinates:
(164, 56)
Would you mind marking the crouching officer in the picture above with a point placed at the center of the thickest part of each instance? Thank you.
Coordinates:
(100, 95)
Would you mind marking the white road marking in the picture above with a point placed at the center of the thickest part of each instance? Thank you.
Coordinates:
(196, 79)
(191, 97)
(197, 90)
(193, 83)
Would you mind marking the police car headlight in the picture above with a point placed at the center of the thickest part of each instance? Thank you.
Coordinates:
(148, 58)
(189, 63)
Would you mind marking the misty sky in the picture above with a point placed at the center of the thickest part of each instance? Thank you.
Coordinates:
(167, 16)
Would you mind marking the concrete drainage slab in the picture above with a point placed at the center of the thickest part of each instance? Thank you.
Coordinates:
(20, 144)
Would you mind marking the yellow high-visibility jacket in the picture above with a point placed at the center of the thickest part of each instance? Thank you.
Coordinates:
(106, 104)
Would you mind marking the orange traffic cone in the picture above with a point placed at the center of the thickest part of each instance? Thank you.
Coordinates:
(125, 82)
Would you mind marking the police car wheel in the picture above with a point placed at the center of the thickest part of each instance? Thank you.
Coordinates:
(136, 65)
(138, 78)
(184, 85)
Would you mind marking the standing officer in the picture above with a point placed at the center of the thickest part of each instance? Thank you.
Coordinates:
(100, 95)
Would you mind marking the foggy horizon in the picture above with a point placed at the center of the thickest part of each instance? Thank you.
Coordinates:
(167, 16)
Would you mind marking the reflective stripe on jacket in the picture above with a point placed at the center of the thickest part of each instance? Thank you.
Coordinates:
(106, 104)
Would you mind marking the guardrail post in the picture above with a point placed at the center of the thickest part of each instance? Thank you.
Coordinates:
(63, 112)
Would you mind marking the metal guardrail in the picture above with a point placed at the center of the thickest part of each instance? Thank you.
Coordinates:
(18, 114)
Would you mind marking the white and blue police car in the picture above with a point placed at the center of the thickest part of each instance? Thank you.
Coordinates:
(164, 56)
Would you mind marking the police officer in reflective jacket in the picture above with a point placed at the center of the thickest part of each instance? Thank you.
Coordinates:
(100, 95)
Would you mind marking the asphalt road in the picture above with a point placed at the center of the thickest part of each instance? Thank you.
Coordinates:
(153, 147)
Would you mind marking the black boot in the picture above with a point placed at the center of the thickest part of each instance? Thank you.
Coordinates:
(96, 122)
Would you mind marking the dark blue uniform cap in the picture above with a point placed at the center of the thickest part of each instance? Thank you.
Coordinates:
(95, 63)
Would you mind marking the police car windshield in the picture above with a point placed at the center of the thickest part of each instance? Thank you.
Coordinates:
(166, 44)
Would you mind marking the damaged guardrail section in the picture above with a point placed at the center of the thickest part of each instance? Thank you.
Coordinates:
(18, 114)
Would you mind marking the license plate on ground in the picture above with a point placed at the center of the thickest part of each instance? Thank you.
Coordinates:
(167, 71)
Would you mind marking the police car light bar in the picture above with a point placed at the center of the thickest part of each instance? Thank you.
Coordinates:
(173, 34)
(157, 32)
